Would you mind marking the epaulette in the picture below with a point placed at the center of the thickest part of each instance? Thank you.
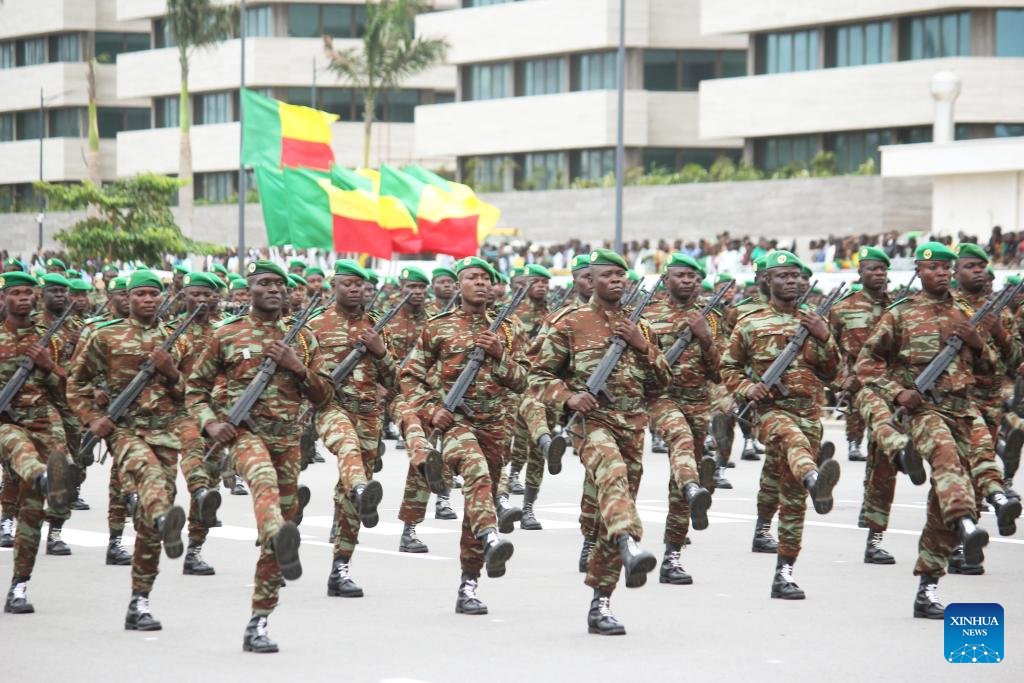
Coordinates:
(744, 314)
(109, 323)
(94, 320)
(226, 321)
(896, 303)
(442, 314)
(846, 296)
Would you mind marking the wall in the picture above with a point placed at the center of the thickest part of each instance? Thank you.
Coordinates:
(975, 202)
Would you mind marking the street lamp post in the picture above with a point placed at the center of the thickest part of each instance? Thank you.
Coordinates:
(241, 141)
(619, 145)
(39, 216)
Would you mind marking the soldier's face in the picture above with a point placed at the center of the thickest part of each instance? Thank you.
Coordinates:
(786, 283)
(81, 301)
(119, 303)
(267, 292)
(349, 290)
(971, 274)
(935, 276)
(55, 298)
(297, 297)
(242, 296)
(497, 290)
(369, 289)
(143, 302)
(683, 282)
(178, 279)
(583, 281)
(297, 270)
(20, 300)
(417, 289)
(475, 285)
(444, 287)
(197, 296)
(538, 288)
(873, 275)
(315, 282)
(609, 283)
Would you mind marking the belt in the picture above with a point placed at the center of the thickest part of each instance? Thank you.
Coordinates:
(486, 405)
(796, 403)
(626, 405)
(688, 393)
(149, 421)
(955, 404)
(278, 428)
(357, 407)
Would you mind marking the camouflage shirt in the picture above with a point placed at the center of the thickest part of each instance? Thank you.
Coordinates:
(852, 319)
(1006, 347)
(532, 314)
(338, 334)
(404, 330)
(42, 392)
(697, 367)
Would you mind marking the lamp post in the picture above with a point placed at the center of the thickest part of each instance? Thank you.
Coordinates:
(619, 145)
(241, 141)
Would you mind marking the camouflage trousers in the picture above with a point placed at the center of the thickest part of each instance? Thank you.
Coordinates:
(683, 425)
(269, 464)
(117, 509)
(792, 444)
(352, 438)
(532, 421)
(613, 459)
(854, 422)
(884, 443)
(25, 449)
(9, 491)
(197, 476)
(152, 470)
(416, 495)
(722, 402)
(72, 437)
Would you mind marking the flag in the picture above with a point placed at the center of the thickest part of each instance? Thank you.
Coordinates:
(274, 201)
(445, 225)
(285, 135)
(464, 194)
(392, 214)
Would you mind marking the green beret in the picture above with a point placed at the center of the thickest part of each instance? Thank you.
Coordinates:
(201, 280)
(724, 277)
(180, 269)
(144, 278)
(80, 285)
(749, 283)
(503, 278)
(238, 284)
(782, 258)
(220, 283)
(707, 286)
(118, 283)
(607, 257)
(580, 261)
(263, 266)
(760, 262)
(391, 280)
(219, 268)
(295, 280)
(873, 254)
(55, 263)
(39, 271)
(54, 280)
(297, 263)
(314, 270)
(443, 272)
(817, 290)
(537, 270)
(806, 269)
(969, 250)
(680, 260)
(325, 285)
(991, 272)
(11, 261)
(934, 251)
(372, 276)
(72, 274)
(346, 266)
(414, 273)
(235, 277)
(475, 262)
(16, 278)
(1013, 280)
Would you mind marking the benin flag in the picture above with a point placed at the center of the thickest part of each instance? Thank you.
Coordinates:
(393, 216)
(285, 135)
(464, 194)
(445, 225)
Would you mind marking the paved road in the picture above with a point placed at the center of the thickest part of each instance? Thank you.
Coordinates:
(856, 622)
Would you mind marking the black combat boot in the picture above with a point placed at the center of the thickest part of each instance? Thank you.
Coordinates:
(59, 484)
(1007, 486)
(553, 452)
(467, 601)
(749, 451)
(55, 545)
(909, 460)
(706, 470)
(515, 487)
(139, 618)
(588, 545)
(304, 495)
(340, 583)
(116, 553)
(720, 481)
(432, 470)
(672, 567)
(367, 498)
(207, 502)
(958, 565)
(238, 487)
(497, 552)
(764, 542)
(819, 484)
(507, 514)
(874, 553)
(636, 562)
(926, 604)
(1007, 511)
(169, 526)
(699, 501)
(256, 638)
(530, 521)
(600, 619)
(7, 532)
(443, 506)
(1011, 454)
(17, 597)
(410, 542)
(974, 540)
(854, 453)
(285, 545)
(783, 586)
(194, 564)
(78, 504)
(658, 444)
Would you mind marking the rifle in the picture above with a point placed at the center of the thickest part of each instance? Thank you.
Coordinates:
(369, 305)
(685, 335)
(772, 377)
(239, 413)
(597, 383)
(451, 303)
(17, 381)
(99, 309)
(631, 293)
(349, 362)
(166, 304)
(562, 299)
(905, 289)
(120, 406)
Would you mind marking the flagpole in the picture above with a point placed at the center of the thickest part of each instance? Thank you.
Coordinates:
(241, 141)
(619, 150)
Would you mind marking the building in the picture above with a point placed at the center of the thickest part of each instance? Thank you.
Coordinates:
(849, 77)
(536, 104)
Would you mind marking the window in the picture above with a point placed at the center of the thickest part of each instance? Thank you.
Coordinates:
(854, 148)
(7, 55)
(109, 45)
(64, 123)
(444, 97)
(594, 71)
(773, 153)
(660, 70)
(337, 20)
(162, 34)
(65, 47)
(698, 65)
(113, 120)
(26, 125)
(1009, 33)
(488, 81)
(786, 52)
(540, 76)
(489, 174)
(594, 164)
(215, 187)
(167, 112)
(935, 35)
(304, 21)
(259, 22)
(31, 51)
(1002, 130)
(6, 127)
(213, 108)
(685, 69)
(338, 101)
(675, 159)
(308, 20)
(662, 159)
(485, 3)
(400, 106)
(545, 170)
(859, 44)
(734, 63)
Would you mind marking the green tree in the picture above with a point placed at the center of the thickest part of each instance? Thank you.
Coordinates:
(390, 53)
(133, 220)
(192, 25)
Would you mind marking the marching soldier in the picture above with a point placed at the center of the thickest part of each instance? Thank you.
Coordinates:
(314, 276)
(442, 285)
(534, 308)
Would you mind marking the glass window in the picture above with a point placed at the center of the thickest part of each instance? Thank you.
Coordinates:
(360, 20)
(1009, 33)
(7, 55)
(595, 164)
(65, 47)
(1009, 130)
(27, 125)
(594, 71)
(337, 20)
(167, 112)
(660, 70)
(113, 120)
(854, 148)
(773, 153)
(489, 174)
(786, 52)
(6, 127)
(935, 35)
(734, 63)
(489, 81)
(545, 170)
(108, 45)
(65, 123)
(162, 34)
(698, 65)
(401, 106)
(337, 101)
(661, 159)
(444, 97)
(31, 51)
(859, 44)
(215, 187)
(213, 108)
(304, 21)
(540, 76)
(259, 21)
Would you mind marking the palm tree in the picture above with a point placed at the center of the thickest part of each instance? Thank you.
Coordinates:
(193, 24)
(390, 53)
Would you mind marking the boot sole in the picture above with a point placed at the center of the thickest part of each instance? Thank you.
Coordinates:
(765, 550)
(58, 482)
(554, 453)
(459, 609)
(779, 596)
(597, 631)
(433, 472)
(706, 473)
(637, 577)
(974, 546)
(208, 508)
(193, 572)
(246, 647)
(414, 551)
(304, 495)
(887, 560)
(170, 536)
(828, 477)
(449, 516)
(368, 502)
(976, 570)
(115, 563)
(827, 451)
(922, 614)
(685, 582)
(531, 526)
(507, 523)
(28, 609)
(135, 627)
(753, 457)
(333, 593)
(913, 465)
(699, 505)
(286, 550)
(1007, 516)
(499, 556)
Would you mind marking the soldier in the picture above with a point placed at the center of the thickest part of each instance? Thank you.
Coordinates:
(55, 265)
(314, 276)
(238, 293)
(474, 445)
(144, 448)
(110, 272)
(534, 308)
(221, 272)
(13, 265)
(852, 320)
(790, 425)
(611, 445)
(32, 446)
(296, 267)
(949, 433)
(499, 290)
(268, 460)
(78, 294)
(442, 285)
(350, 425)
(297, 288)
(370, 289)
(680, 414)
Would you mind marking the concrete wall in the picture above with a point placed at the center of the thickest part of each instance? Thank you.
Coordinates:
(791, 209)
(975, 202)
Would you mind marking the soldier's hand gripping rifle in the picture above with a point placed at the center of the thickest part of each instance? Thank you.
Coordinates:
(685, 335)
(597, 384)
(120, 406)
(17, 381)
(239, 413)
(349, 362)
(772, 377)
